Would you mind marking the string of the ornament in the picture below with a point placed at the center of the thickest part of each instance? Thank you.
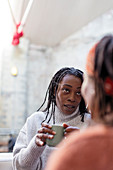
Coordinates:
(14, 20)
(22, 10)
(26, 12)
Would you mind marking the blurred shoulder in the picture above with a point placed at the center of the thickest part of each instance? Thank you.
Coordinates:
(80, 149)
(90, 134)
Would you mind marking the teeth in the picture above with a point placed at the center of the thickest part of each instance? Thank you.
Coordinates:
(70, 106)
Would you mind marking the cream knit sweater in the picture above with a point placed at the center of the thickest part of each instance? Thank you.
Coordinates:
(26, 154)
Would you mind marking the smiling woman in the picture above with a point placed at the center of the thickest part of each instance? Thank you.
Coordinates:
(65, 107)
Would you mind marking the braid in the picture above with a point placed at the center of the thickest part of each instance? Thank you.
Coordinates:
(43, 101)
(52, 90)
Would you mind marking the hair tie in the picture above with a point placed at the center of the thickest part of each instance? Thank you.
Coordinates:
(108, 86)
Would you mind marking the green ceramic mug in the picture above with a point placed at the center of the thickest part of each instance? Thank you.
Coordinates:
(57, 137)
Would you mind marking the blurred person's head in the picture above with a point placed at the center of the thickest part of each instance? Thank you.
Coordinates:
(97, 88)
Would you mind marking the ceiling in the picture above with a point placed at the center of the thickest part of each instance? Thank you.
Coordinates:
(51, 21)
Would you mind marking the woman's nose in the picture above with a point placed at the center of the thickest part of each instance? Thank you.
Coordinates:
(72, 97)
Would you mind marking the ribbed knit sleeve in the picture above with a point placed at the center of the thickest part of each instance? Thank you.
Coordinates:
(26, 154)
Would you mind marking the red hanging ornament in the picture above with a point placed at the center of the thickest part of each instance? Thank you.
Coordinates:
(17, 35)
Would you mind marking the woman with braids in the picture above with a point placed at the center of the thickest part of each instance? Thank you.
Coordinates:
(92, 149)
(65, 106)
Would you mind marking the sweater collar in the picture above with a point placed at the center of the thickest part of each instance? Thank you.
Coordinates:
(61, 117)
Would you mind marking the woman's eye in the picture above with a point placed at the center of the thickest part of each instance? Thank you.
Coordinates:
(78, 93)
(66, 90)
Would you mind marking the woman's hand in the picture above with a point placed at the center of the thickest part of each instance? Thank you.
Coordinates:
(69, 129)
(45, 132)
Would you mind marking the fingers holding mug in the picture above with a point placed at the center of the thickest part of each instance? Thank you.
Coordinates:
(45, 132)
(40, 139)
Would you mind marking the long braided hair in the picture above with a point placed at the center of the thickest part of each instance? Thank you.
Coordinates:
(52, 90)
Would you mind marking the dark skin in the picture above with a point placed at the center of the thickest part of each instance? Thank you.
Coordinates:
(69, 129)
(45, 132)
(68, 98)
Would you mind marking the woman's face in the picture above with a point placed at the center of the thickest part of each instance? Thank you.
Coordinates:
(68, 95)
(88, 91)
